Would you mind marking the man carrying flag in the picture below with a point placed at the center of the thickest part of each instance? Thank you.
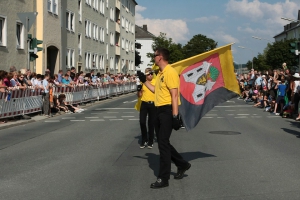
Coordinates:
(166, 91)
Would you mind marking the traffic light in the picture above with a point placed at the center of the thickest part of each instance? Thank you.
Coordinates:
(294, 49)
(34, 47)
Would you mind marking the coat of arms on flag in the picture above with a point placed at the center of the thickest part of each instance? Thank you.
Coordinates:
(206, 80)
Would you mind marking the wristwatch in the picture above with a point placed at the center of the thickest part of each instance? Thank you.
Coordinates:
(175, 116)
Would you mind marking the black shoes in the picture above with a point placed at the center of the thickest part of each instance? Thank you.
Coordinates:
(180, 172)
(159, 184)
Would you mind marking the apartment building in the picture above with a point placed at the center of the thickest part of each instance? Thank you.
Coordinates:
(85, 34)
(145, 38)
(13, 35)
(291, 30)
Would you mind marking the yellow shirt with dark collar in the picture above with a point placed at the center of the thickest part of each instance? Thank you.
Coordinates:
(148, 95)
(166, 80)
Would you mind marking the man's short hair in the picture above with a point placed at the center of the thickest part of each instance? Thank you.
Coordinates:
(165, 53)
(12, 69)
(72, 68)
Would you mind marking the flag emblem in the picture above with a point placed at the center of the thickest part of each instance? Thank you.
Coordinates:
(201, 78)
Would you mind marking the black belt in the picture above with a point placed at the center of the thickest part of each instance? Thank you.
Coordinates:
(164, 106)
(150, 102)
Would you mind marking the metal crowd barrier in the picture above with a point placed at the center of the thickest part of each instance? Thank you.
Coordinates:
(26, 101)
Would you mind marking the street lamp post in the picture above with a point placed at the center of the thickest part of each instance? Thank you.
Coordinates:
(251, 53)
(258, 38)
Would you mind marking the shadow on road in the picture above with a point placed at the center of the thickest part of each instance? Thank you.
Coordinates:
(293, 132)
(153, 159)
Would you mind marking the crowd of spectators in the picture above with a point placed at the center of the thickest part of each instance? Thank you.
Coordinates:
(16, 80)
(276, 91)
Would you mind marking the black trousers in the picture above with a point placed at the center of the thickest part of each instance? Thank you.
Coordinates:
(167, 152)
(150, 110)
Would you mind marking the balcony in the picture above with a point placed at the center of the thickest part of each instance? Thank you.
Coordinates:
(118, 50)
(118, 4)
(117, 27)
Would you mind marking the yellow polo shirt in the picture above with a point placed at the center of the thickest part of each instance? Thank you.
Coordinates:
(166, 80)
(147, 94)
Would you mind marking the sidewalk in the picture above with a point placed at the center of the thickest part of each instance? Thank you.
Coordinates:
(17, 121)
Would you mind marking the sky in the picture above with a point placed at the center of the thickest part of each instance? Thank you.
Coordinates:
(224, 21)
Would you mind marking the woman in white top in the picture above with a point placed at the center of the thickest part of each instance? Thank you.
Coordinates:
(295, 87)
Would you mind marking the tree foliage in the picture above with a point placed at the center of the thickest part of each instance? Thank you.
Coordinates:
(164, 42)
(197, 45)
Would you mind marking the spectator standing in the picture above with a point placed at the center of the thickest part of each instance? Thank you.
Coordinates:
(281, 94)
(73, 73)
(46, 103)
(147, 109)
(60, 75)
(167, 99)
(295, 87)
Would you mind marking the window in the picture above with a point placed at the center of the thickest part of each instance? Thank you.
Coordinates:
(70, 23)
(52, 6)
(3, 31)
(102, 7)
(112, 14)
(123, 43)
(123, 22)
(88, 60)
(107, 51)
(126, 45)
(107, 26)
(111, 63)
(101, 62)
(112, 41)
(101, 32)
(70, 58)
(106, 3)
(79, 44)
(126, 25)
(88, 29)
(80, 10)
(20, 35)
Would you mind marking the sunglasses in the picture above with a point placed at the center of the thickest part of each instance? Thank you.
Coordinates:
(151, 73)
(156, 55)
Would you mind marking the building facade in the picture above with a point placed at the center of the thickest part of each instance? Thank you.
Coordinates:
(145, 38)
(291, 31)
(85, 34)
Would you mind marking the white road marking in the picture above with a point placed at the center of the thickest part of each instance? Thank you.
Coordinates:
(91, 117)
(207, 117)
(255, 116)
(241, 117)
(127, 116)
(52, 121)
(112, 112)
(220, 117)
(133, 119)
(242, 114)
(115, 119)
(128, 112)
(97, 120)
(211, 114)
(68, 117)
(229, 110)
(79, 120)
(109, 117)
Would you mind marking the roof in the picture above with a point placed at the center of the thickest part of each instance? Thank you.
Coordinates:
(142, 32)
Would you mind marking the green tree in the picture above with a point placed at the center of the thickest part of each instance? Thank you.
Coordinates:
(197, 45)
(278, 53)
(164, 42)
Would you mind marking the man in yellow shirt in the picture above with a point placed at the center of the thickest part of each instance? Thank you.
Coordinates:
(166, 91)
(147, 108)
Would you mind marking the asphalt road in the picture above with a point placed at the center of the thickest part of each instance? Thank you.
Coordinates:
(236, 151)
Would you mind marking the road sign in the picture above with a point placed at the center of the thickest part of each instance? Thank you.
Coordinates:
(27, 18)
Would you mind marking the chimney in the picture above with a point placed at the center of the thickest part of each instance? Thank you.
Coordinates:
(145, 27)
